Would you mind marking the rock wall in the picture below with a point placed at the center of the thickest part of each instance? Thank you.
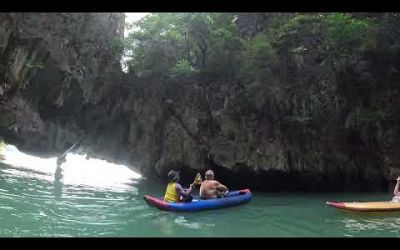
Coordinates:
(54, 67)
(309, 126)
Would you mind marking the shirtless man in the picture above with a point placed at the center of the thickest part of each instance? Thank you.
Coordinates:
(210, 188)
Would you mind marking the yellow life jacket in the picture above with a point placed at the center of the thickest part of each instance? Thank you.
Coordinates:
(171, 195)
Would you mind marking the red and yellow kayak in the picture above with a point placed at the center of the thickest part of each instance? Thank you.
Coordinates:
(366, 207)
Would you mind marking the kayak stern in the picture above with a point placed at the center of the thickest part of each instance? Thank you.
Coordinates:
(366, 208)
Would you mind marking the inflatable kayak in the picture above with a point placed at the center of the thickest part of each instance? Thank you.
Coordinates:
(366, 207)
(233, 198)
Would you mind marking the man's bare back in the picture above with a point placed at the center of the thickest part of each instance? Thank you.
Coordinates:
(210, 189)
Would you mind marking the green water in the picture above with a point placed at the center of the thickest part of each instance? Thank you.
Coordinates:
(37, 202)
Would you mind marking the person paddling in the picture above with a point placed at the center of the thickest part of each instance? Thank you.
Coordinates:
(212, 189)
(175, 192)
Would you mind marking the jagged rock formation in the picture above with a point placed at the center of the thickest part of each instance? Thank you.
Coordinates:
(53, 67)
(310, 126)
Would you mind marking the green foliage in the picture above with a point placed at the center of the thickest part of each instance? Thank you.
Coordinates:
(160, 43)
(257, 58)
(153, 47)
(345, 33)
(299, 30)
(339, 33)
(183, 68)
(225, 44)
(183, 44)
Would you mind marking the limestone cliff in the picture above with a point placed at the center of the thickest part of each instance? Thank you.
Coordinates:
(53, 67)
(312, 124)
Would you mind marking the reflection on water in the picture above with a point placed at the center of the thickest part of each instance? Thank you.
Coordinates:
(78, 198)
(182, 221)
(77, 170)
(389, 224)
(58, 182)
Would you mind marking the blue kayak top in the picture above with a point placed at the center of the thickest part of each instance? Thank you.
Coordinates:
(233, 198)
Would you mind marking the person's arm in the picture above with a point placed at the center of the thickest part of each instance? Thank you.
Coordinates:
(396, 188)
(222, 188)
(182, 192)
